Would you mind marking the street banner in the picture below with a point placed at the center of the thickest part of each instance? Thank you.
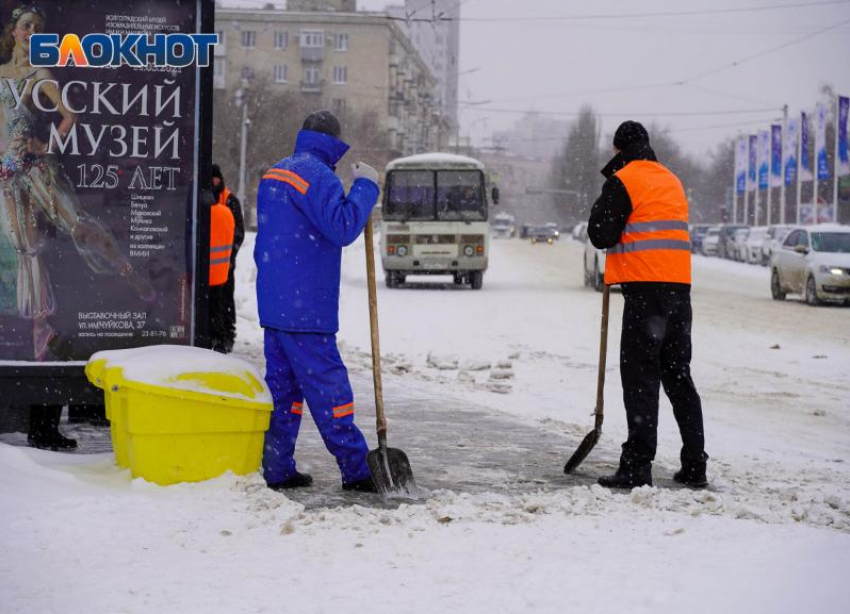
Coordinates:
(741, 162)
(752, 162)
(99, 173)
(791, 144)
(820, 144)
(763, 159)
(843, 167)
(775, 156)
(805, 167)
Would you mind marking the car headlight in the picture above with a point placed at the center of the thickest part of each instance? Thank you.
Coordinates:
(401, 250)
(832, 270)
(469, 251)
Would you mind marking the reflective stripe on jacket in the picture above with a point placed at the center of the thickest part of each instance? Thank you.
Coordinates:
(222, 227)
(655, 245)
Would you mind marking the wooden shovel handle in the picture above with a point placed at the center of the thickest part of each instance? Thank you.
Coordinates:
(373, 325)
(603, 355)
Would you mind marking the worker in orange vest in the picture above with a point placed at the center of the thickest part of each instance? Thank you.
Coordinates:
(641, 218)
(222, 229)
(225, 197)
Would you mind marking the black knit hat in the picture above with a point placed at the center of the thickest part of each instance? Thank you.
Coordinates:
(630, 133)
(324, 122)
(216, 172)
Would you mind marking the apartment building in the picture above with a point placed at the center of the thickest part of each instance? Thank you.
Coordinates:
(350, 61)
(433, 26)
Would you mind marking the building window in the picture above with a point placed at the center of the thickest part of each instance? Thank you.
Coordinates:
(281, 73)
(281, 40)
(338, 105)
(340, 75)
(311, 75)
(249, 39)
(342, 42)
(247, 72)
(222, 38)
(219, 67)
(312, 38)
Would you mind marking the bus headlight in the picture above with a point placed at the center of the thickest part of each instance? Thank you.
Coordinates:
(469, 251)
(401, 250)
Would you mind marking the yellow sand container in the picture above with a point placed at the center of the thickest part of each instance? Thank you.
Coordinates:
(182, 414)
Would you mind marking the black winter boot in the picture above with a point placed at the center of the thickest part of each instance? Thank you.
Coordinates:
(692, 473)
(299, 480)
(628, 477)
(44, 429)
(364, 485)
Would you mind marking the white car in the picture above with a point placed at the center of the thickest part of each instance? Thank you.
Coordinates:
(578, 229)
(594, 263)
(711, 241)
(776, 233)
(814, 262)
(739, 244)
(754, 245)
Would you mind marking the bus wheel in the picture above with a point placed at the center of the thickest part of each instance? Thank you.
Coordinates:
(391, 279)
(458, 279)
(476, 279)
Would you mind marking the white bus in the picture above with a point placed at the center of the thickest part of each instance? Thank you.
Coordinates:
(435, 219)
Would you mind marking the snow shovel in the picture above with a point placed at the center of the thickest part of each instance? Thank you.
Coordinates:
(593, 436)
(389, 466)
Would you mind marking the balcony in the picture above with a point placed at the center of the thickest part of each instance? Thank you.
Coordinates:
(312, 87)
(312, 54)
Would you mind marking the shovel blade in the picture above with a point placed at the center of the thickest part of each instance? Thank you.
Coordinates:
(391, 473)
(584, 449)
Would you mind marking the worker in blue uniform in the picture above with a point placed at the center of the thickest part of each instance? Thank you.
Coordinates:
(304, 219)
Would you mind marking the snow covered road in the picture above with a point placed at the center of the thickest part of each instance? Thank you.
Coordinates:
(488, 392)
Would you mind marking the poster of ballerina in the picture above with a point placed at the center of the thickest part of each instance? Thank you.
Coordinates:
(97, 196)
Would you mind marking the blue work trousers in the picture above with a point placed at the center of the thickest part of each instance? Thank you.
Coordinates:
(307, 366)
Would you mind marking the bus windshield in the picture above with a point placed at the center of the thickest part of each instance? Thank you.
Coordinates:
(424, 195)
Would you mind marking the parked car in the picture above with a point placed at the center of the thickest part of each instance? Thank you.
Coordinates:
(709, 245)
(503, 226)
(754, 245)
(697, 233)
(541, 234)
(556, 231)
(594, 264)
(776, 233)
(725, 247)
(577, 231)
(814, 262)
(739, 244)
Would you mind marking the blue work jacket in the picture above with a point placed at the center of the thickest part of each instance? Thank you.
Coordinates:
(304, 219)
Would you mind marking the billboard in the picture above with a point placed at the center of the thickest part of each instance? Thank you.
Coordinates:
(99, 206)
(752, 163)
(775, 156)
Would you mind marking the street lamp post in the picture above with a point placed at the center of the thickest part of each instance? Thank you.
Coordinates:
(243, 146)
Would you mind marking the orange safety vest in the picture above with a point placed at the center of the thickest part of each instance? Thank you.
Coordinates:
(655, 244)
(222, 229)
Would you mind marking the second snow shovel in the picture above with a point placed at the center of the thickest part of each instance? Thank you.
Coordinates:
(390, 468)
(593, 436)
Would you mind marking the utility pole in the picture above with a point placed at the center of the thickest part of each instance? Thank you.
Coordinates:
(782, 165)
(243, 146)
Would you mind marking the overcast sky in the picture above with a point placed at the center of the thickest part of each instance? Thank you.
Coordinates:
(532, 57)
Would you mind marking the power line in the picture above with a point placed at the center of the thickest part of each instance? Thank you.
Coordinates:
(619, 16)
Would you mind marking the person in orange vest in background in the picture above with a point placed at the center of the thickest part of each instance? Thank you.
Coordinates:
(641, 218)
(225, 197)
(222, 230)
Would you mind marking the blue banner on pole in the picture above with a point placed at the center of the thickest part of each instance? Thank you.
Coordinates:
(791, 144)
(763, 159)
(775, 156)
(820, 144)
(805, 167)
(843, 161)
(741, 161)
(752, 162)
